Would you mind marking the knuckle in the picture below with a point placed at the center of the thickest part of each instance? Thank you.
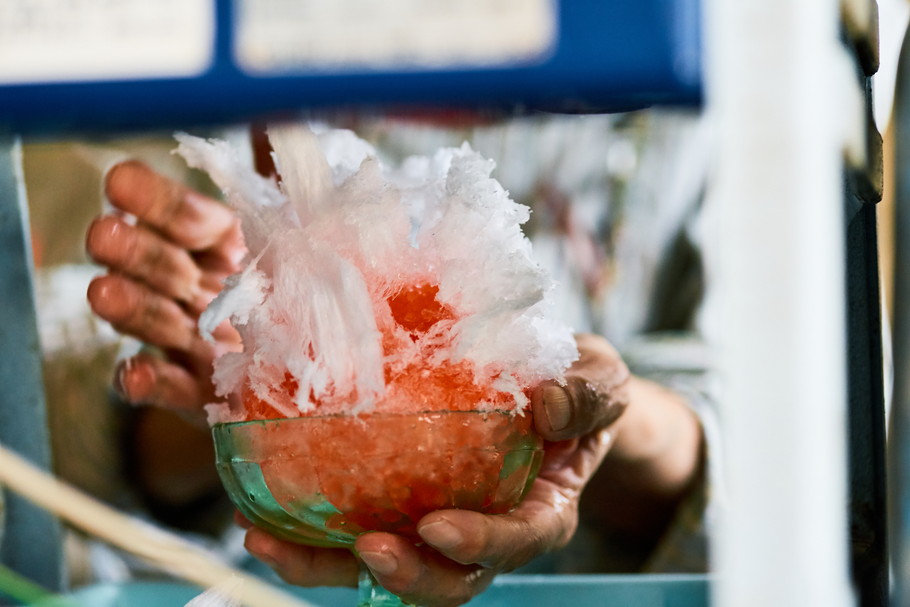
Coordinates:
(568, 524)
(538, 543)
(563, 526)
(136, 253)
(406, 585)
(598, 403)
(94, 236)
(170, 204)
(515, 544)
(151, 256)
(472, 583)
(482, 544)
(534, 544)
(296, 576)
(145, 313)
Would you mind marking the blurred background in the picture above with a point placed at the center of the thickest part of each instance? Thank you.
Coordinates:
(609, 133)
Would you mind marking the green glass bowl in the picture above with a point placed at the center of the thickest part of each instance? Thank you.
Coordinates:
(325, 480)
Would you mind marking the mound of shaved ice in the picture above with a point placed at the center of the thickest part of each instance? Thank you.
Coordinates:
(371, 288)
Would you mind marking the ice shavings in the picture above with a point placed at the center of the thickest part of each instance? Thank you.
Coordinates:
(371, 287)
(242, 293)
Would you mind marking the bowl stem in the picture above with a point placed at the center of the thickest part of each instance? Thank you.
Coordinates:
(372, 594)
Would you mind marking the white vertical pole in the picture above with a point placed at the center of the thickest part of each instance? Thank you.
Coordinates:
(774, 72)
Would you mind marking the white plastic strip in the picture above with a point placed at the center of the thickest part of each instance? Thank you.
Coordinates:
(293, 35)
(778, 266)
(74, 40)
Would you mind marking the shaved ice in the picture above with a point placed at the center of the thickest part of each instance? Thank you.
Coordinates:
(370, 288)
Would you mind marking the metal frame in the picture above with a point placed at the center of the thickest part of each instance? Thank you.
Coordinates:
(899, 455)
(32, 539)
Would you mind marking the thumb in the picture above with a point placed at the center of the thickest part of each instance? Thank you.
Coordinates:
(579, 407)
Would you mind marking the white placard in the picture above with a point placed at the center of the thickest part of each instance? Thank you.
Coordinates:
(73, 40)
(340, 35)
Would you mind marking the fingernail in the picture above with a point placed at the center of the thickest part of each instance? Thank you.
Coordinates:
(119, 384)
(441, 534)
(557, 407)
(126, 368)
(383, 563)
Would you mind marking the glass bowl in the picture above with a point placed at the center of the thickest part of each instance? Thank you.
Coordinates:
(324, 480)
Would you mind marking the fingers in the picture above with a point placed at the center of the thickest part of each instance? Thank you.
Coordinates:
(580, 407)
(303, 565)
(594, 396)
(148, 380)
(183, 245)
(164, 270)
(466, 549)
(190, 220)
(500, 543)
(544, 521)
(420, 576)
(134, 309)
(145, 256)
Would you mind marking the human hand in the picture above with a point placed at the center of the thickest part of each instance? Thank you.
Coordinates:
(465, 550)
(162, 270)
(166, 267)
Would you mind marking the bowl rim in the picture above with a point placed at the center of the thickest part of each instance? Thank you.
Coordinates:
(364, 416)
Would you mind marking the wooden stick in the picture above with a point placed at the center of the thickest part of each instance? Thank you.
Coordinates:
(162, 549)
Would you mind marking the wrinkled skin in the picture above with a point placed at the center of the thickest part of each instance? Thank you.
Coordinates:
(163, 270)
